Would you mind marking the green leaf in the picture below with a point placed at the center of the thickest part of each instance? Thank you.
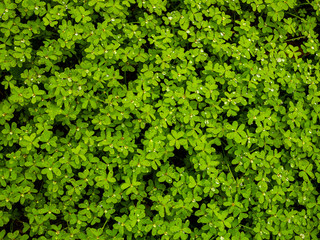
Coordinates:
(228, 222)
(2, 234)
(261, 198)
(49, 174)
(45, 136)
(56, 171)
(13, 235)
(192, 182)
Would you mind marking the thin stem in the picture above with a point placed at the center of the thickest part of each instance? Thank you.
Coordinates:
(231, 171)
(228, 163)
(50, 200)
(125, 77)
(98, 99)
(104, 224)
(305, 4)
(41, 187)
(11, 227)
(293, 39)
(254, 149)
(297, 17)
(175, 8)
(67, 227)
(245, 227)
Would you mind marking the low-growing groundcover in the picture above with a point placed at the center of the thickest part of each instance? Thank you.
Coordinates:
(159, 119)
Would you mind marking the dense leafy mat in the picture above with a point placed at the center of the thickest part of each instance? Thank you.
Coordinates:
(156, 119)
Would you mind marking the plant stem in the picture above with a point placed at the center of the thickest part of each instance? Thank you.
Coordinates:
(228, 164)
(245, 227)
(104, 224)
(125, 77)
(254, 149)
(305, 4)
(297, 17)
(293, 39)
(98, 99)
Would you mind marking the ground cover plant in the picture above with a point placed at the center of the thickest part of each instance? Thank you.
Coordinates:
(159, 119)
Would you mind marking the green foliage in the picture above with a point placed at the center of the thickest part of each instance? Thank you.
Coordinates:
(159, 119)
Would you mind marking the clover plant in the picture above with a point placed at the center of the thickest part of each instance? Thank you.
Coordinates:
(159, 119)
